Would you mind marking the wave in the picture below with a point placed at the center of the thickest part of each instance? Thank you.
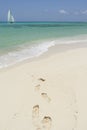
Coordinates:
(25, 53)
(35, 50)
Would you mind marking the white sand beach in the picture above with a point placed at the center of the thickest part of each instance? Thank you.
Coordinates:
(45, 94)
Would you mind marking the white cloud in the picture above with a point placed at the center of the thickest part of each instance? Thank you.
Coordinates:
(84, 12)
(62, 11)
(80, 12)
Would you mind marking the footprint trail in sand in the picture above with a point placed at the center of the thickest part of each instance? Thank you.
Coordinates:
(46, 122)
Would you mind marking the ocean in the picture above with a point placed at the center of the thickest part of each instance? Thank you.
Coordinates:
(23, 40)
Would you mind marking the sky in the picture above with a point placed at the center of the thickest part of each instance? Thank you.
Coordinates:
(44, 10)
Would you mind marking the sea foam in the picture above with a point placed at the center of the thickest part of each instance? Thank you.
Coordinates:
(25, 53)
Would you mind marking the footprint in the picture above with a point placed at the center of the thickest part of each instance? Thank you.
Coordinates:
(35, 116)
(45, 96)
(37, 87)
(41, 79)
(46, 123)
(35, 112)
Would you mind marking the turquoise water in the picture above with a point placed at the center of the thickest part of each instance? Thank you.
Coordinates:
(23, 40)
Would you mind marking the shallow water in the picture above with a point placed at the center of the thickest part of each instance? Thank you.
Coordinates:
(24, 40)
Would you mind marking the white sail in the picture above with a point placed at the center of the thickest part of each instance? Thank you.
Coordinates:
(10, 17)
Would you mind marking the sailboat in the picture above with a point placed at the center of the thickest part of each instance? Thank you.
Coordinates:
(10, 17)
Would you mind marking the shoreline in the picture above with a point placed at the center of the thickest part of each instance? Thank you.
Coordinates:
(50, 47)
(56, 49)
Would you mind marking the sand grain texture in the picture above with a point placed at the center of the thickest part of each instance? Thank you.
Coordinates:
(65, 82)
